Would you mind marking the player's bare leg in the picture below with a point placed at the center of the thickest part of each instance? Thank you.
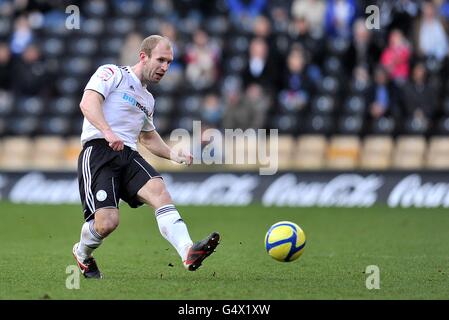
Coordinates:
(173, 228)
(92, 234)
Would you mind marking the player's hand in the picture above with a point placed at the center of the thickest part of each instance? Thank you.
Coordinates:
(114, 141)
(181, 156)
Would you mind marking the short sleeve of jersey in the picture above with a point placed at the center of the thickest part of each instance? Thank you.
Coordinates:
(148, 125)
(104, 80)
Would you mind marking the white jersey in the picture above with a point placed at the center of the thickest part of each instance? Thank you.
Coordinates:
(128, 107)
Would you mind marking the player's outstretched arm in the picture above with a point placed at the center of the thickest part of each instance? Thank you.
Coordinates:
(92, 108)
(154, 143)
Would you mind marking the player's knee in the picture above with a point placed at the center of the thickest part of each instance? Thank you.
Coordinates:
(107, 226)
(155, 193)
(164, 196)
(106, 221)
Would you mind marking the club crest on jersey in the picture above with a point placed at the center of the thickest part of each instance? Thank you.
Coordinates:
(105, 73)
(135, 103)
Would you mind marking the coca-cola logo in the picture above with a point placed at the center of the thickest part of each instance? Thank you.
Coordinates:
(36, 188)
(412, 192)
(345, 190)
(217, 189)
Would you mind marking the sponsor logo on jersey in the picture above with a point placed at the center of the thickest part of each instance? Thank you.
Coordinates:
(135, 103)
(105, 73)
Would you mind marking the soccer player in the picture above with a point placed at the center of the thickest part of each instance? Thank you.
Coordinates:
(118, 111)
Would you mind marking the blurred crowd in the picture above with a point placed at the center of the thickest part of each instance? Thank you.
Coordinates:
(302, 66)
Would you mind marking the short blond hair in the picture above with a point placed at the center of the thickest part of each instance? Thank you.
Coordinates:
(149, 43)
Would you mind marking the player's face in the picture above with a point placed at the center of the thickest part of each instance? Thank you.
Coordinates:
(157, 65)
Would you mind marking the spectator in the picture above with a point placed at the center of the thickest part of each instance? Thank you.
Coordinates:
(419, 95)
(300, 33)
(297, 88)
(382, 100)
(404, 12)
(261, 68)
(212, 111)
(362, 50)
(168, 30)
(243, 11)
(431, 37)
(340, 15)
(202, 59)
(249, 111)
(5, 66)
(30, 74)
(395, 58)
(22, 35)
(361, 81)
(313, 11)
(130, 47)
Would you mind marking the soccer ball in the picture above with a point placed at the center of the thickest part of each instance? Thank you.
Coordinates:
(285, 241)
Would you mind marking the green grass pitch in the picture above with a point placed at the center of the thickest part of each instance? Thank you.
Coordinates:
(410, 247)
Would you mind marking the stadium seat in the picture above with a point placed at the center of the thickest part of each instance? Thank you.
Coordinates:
(16, 153)
(323, 104)
(77, 66)
(415, 126)
(120, 26)
(30, 106)
(443, 125)
(5, 26)
(238, 44)
(63, 106)
(84, 46)
(3, 126)
(384, 125)
(55, 125)
(409, 152)
(286, 123)
(95, 8)
(286, 151)
(111, 46)
(446, 106)
(235, 64)
(131, 8)
(71, 152)
(350, 124)
(6, 103)
(329, 85)
(310, 152)
(52, 47)
(92, 27)
(354, 104)
(23, 125)
(48, 153)
(333, 66)
(319, 124)
(190, 105)
(337, 45)
(70, 86)
(438, 155)
(343, 152)
(150, 25)
(376, 152)
(217, 25)
(164, 105)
